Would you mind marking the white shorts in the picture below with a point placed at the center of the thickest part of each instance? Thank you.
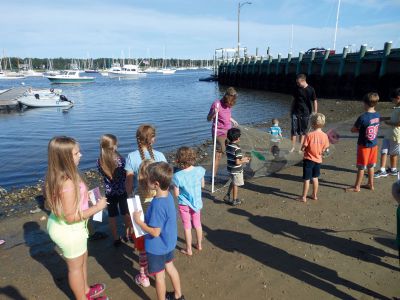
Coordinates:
(237, 179)
(390, 147)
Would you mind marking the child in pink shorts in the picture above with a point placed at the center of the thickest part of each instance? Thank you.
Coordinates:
(187, 183)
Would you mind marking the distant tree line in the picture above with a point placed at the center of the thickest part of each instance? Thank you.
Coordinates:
(99, 63)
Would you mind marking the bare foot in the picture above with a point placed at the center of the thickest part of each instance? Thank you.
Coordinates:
(315, 198)
(352, 189)
(368, 187)
(186, 252)
(198, 247)
(302, 199)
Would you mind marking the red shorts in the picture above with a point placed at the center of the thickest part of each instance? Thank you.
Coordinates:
(139, 243)
(366, 157)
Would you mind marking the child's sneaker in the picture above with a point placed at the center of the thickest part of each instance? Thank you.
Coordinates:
(171, 296)
(236, 202)
(393, 172)
(142, 280)
(380, 173)
(96, 290)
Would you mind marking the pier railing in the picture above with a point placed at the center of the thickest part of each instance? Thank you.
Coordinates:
(345, 75)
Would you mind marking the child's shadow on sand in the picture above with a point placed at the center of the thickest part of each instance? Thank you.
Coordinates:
(118, 263)
(42, 249)
(321, 237)
(303, 270)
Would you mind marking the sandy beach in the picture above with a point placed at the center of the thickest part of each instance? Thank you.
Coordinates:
(270, 247)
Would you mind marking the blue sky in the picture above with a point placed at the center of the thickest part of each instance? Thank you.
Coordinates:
(189, 29)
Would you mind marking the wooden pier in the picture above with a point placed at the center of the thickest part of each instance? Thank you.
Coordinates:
(9, 98)
(345, 75)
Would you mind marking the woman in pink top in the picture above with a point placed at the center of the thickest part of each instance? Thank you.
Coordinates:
(225, 121)
(67, 197)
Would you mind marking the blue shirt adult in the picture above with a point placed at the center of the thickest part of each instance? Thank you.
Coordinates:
(161, 214)
(189, 184)
(367, 125)
(134, 160)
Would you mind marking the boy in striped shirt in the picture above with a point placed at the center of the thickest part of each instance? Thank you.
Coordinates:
(235, 169)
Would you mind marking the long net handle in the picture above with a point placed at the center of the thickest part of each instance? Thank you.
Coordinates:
(214, 148)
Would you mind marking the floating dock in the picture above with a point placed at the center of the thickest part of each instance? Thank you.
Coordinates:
(345, 75)
(9, 97)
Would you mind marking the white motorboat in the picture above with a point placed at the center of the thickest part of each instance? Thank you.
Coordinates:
(127, 71)
(43, 93)
(37, 101)
(167, 71)
(70, 77)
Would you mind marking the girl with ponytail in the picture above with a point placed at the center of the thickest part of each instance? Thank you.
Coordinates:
(145, 137)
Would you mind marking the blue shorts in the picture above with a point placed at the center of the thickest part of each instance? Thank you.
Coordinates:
(311, 169)
(156, 263)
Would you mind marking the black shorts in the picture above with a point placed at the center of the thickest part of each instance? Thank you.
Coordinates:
(117, 201)
(300, 124)
(311, 169)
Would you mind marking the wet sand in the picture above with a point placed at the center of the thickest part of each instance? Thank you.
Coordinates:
(270, 247)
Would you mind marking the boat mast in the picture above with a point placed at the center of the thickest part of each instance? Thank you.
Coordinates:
(336, 27)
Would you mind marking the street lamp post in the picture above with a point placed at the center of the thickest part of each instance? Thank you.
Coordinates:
(238, 33)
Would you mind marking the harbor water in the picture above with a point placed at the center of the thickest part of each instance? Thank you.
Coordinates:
(177, 105)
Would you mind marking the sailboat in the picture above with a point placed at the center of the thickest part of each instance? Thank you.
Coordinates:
(8, 75)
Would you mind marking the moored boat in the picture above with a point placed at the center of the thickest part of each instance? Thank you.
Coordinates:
(127, 71)
(69, 77)
(37, 101)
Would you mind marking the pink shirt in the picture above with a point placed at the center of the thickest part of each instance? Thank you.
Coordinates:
(84, 195)
(224, 118)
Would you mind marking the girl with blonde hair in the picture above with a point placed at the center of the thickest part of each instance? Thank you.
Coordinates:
(145, 138)
(111, 166)
(67, 197)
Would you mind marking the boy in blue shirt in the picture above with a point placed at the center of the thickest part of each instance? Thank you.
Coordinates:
(160, 224)
(275, 130)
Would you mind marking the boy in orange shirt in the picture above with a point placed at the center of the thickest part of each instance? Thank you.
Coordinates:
(315, 143)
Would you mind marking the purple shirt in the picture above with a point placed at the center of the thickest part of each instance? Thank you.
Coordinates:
(224, 118)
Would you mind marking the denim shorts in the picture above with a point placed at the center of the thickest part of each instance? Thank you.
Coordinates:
(156, 263)
(311, 169)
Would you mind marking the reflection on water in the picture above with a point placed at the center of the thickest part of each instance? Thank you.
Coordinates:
(176, 104)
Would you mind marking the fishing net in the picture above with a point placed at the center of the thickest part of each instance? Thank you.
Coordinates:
(268, 155)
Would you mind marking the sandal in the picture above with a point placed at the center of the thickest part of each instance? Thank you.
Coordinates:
(2, 242)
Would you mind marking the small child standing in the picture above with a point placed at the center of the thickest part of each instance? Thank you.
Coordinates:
(235, 160)
(160, 224)
(111, 166)
(367, 126)
(275, 130)
(315, 143)
(187, 189)
(391, 142)
(146, 195)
